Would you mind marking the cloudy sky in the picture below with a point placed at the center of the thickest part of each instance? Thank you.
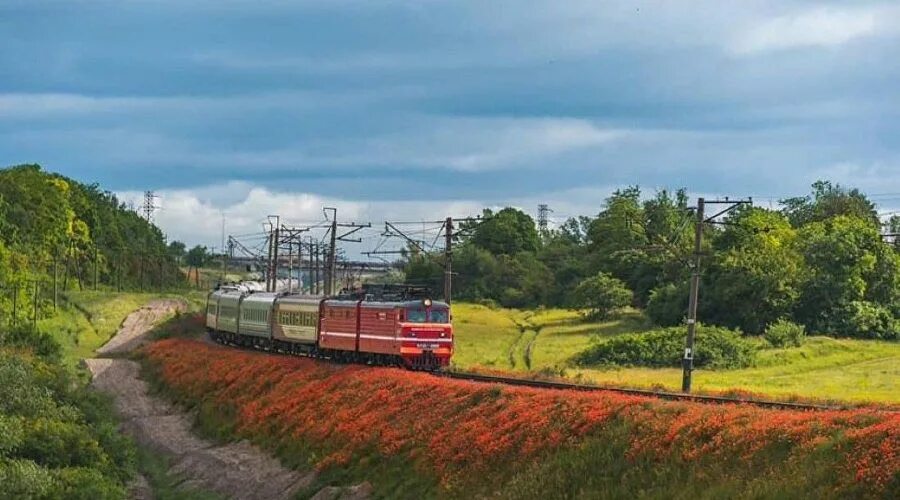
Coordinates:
(421, 109)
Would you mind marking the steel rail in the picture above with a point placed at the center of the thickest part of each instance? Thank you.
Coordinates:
(673, 396)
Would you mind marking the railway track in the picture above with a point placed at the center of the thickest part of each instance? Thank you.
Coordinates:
(553, 384)
(673, 396)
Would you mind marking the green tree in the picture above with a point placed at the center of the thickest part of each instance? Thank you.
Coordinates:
(829, 200)
(177, 250)
(755, 274)
(847, 263)
(507, 232)
(602, 294)
(197, 256)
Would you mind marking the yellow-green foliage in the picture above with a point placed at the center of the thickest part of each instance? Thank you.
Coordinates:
(87, 320)
(822, 368)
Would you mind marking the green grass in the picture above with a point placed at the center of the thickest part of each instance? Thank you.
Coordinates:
(86, 320)
(823, 368)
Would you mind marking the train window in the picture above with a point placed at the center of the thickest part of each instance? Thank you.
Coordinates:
(439, 316)
(415, 315)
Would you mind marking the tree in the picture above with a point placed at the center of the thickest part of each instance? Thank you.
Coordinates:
(755, 273)
(177, 250)
(601, 294)
(847, 263)
(829, 200)
(507, 232)
(197, 256)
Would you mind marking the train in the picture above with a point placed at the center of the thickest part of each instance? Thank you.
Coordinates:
(376, 324)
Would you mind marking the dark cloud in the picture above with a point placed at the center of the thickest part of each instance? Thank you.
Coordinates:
(452, 100)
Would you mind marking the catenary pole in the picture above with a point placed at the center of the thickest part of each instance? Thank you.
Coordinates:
(448, 258)
(688, 361)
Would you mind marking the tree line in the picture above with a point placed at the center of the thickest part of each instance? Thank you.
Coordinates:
(820, 260)
(52, 226)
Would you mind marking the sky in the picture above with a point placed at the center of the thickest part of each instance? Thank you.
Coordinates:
(419, 110)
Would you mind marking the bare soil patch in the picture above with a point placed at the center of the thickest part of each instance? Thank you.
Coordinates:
(236, 470)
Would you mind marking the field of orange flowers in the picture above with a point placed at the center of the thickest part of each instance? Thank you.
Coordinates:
(456, 438)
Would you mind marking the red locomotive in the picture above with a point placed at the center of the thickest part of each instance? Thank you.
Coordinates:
(378, 324)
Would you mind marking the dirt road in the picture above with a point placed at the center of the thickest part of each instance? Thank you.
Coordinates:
(236, 470)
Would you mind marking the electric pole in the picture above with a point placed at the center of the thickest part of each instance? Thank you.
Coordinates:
(95, 268)
(318, 253)
(687, 361)
(448, 258)
(329, 276)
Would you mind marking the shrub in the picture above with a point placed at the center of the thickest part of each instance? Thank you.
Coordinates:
(714, 347)
(784, 333)
(601, 295)
(668, 305)
(24, 479)
(80, 483)
(43, 344)
(868, 320)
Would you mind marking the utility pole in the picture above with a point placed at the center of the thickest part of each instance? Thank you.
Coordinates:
(35, 310)
(269, 260)
(318, 252)
(448, 258)
(55, 278)
(224, 265)
(15, 303)
(142, 272)
(687, 361)
(96, 274)
(275, 258)
(329, 277)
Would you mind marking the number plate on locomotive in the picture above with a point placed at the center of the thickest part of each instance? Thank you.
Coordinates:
(429, 347)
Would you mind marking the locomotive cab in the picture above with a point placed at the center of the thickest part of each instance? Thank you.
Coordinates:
(426, 334)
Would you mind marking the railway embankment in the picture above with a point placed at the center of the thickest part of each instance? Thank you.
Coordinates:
(235, 470)
(414, 434)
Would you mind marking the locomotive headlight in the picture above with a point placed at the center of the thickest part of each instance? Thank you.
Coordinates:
(427, 302)
(443, 334)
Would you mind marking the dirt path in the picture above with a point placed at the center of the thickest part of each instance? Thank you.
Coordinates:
(236, 470)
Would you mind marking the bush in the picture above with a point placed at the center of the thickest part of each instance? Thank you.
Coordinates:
(80, 483)
(601, 295)
(714, 347)
(43, 344)
(24, 479)
(785, 333)
(869, 321)
(57, 438)
(668, 305)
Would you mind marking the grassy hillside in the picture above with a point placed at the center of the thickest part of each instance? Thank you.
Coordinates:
(823, 368)
(86, 320)
(414, 435)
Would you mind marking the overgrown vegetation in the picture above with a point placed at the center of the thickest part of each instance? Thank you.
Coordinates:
(467, 440)
(819, 261)
(714, 347)
(52, 225)
(784, 333)
(821, 368)
(57, 438)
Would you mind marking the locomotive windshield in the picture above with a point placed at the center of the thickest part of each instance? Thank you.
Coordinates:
(418, 315)
(415, 315)
(440, 316)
